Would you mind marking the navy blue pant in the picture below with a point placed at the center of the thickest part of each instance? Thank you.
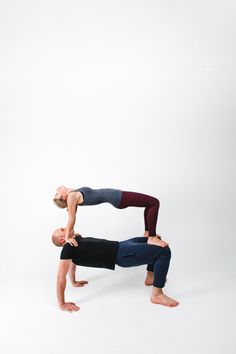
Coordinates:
(135, 252)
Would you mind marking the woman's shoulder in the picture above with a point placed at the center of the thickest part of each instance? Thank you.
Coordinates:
(83, 189)
(74, 196)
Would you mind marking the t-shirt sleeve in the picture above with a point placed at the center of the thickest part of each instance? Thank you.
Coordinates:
(67, 252)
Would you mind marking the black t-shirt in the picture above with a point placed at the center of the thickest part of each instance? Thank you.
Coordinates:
(92, 252)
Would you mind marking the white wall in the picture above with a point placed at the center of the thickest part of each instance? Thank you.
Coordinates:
(137, 95)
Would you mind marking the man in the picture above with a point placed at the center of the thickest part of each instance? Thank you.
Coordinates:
(100, 253)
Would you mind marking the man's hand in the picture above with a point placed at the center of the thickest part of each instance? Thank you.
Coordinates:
(69, 306)
(72, 241)
(80, 283)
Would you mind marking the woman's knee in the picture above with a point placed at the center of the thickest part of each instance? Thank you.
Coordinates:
(156, 202)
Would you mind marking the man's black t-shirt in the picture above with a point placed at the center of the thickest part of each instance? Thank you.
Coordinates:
(92, 252)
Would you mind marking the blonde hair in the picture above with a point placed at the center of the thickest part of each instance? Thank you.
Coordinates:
(61, 203)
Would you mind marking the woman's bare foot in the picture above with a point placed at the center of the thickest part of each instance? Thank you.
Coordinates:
(146, 234)
(158, 297)
(156, 241)
(149, 278)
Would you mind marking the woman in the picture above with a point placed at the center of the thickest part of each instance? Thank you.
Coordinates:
(72, 198)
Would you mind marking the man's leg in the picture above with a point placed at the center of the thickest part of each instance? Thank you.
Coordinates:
(150, 267)
(142, 239)
(161, 266)
(132, 254)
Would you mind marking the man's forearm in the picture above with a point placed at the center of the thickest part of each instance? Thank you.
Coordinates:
(72, 273)
(61, 285)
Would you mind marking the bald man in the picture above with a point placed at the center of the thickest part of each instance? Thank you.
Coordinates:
(101, 253)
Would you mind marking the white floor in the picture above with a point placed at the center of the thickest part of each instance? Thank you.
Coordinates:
(116, 315)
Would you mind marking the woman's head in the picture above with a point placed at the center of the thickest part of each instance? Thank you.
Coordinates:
(60, 198)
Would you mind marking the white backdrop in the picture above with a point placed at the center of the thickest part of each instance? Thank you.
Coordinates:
(136, 95)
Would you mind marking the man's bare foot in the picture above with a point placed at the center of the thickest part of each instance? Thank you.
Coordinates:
(164, 300)
(156, 241)
(158, 297)
(149, 279)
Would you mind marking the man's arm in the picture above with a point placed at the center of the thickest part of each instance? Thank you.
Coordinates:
(64, 266)
(79, 283)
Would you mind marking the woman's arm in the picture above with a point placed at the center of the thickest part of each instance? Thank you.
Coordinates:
(75, 283)
(72, 209)
(64, 266)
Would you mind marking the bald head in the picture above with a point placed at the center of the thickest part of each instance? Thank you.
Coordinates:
(58, 237)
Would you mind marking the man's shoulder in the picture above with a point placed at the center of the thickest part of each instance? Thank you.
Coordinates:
(67, 251)
(94, 240)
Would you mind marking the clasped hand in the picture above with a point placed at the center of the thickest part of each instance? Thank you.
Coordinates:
(72, 241)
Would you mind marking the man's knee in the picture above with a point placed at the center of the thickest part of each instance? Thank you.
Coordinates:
(166, 251)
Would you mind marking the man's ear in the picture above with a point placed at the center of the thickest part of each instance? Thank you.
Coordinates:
(62, 241)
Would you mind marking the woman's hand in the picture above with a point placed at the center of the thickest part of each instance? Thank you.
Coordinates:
(72, 241)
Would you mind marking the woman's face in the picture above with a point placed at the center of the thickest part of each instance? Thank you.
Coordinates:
(61, 192)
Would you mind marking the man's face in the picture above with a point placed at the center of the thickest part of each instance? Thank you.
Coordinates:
(61, 232)
(58, 237)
